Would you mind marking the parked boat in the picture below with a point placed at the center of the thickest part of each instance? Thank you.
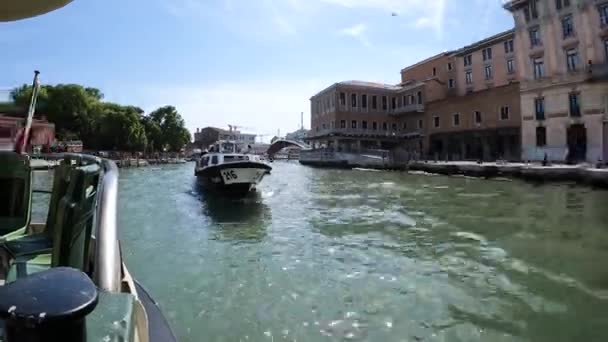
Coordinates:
(226, 170)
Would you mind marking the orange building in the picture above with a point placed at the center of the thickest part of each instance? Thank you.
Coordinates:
(42, 134)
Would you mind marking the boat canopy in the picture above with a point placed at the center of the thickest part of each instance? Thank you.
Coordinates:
(11, 10)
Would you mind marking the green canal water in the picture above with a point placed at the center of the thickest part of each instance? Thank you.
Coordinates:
(324, 255)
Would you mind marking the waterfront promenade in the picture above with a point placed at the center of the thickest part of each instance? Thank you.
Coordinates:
(384, 160)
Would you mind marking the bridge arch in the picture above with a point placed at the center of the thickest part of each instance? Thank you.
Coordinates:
(280, 144)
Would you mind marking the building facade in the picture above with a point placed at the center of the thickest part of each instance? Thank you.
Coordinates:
(42, 134)
(562, 48)
(476, 114)
(209, 135)
(461, 104)
(355, 115)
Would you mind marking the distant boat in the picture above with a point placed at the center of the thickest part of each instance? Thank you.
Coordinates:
(225, 170)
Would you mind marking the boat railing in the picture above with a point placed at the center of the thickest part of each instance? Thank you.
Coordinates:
(107, 270)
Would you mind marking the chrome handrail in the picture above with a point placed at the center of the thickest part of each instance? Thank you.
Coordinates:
(108, 264)
(107, 257)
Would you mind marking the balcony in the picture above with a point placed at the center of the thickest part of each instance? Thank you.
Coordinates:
(540, 116)
(575, 112)
(412, 108)
(598, 72)
(362, 133)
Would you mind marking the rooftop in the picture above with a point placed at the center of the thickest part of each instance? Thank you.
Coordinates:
(426, 60)
(370, 85)
(511, 5)
(486, 42)
(374, 85)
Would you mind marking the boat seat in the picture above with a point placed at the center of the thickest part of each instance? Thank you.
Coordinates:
(72, 234)
(73, 225)
(16, 195)
(18, 242)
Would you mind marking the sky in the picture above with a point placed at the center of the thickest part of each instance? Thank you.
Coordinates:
(251, 63)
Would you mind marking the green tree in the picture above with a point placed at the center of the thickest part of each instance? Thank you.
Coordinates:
(79, 113)
(22, 96)
(120, 129)
(174, 135)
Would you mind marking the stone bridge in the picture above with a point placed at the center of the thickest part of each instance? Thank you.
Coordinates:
(280, 144)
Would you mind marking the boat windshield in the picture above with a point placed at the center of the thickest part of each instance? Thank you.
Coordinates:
(228, 148)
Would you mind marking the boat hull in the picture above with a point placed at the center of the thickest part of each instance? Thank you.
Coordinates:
(235, 179)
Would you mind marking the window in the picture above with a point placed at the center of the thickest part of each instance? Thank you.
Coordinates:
(567, 26)
(342, 123)
(451, 83)
(541, 136)
(487, 54)
(603, 14)
(419, 97)
(436, 121)
(477, 117)
(450, 66)
(333, 124)
(384, 126)
(539, 68)
(374, 102)
(406, 101)
(353, 100)
(420, 124)
(469, 77)
(530, 11)
(510, 66)
(384, 103)
(214, 157)
(533, 8)
(606, 50)
(393, 103)
(394, 126)
(342, 99)
(504, 113)
(539, 108)
(509, 46)
(572, 59)
(468, 60)
(488, 72)
(375, 126)
(456, 119)
(559, 4)
(575, 106)
(353, 124)
(364, 124)
(363, 101)
(535, 36)
(434, 71)
(324, 126)
(404, 126)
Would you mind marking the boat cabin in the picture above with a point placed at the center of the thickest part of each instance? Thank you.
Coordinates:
(225, 152)
(224, 147)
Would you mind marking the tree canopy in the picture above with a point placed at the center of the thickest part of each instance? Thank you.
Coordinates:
(79, 112)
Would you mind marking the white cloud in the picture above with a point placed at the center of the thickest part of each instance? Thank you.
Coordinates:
(358, 32)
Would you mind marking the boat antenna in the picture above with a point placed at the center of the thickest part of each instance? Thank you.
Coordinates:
(22, 145)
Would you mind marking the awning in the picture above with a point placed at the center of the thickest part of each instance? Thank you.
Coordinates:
(11, 10)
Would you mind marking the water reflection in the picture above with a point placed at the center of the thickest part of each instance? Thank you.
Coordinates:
(237, 220)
